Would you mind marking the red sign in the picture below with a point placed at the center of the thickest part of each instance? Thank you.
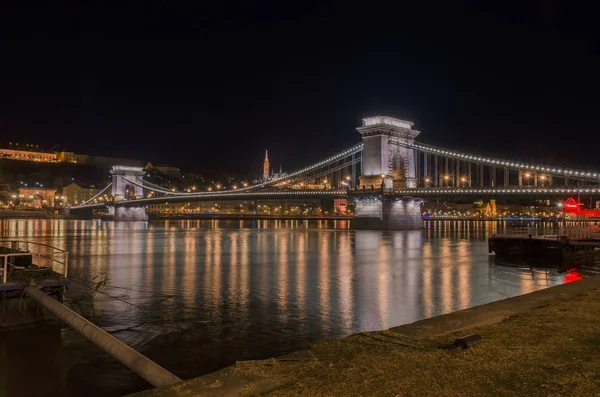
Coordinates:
(571, 205)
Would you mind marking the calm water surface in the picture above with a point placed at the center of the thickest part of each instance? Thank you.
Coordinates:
(196, 296)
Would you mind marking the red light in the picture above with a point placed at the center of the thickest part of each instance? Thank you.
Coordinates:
(572, 275)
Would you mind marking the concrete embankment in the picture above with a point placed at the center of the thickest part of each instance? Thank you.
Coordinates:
(542, 343)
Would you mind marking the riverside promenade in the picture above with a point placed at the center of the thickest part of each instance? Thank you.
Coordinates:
(543, 343)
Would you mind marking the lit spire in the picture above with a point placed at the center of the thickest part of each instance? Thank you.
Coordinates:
(266, 166)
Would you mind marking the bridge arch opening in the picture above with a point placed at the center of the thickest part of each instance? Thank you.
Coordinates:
(399, 170)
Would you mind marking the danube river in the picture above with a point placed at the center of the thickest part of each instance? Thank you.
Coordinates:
(196, 296)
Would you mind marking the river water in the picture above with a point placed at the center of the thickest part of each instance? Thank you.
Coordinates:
(196, 296)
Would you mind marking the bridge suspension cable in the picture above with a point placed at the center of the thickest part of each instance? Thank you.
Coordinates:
(491, 161)
(97, 195)
(335, 158)
(320, 174)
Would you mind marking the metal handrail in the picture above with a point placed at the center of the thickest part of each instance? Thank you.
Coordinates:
(22, 248)
(552, 232)
(34, 243)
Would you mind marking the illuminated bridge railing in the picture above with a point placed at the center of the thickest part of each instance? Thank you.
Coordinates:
(307, 194)
(235, 196)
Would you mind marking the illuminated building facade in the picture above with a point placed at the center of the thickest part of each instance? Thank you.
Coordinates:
(30, 152)
(77, 194)
(27, 155)
(98, 161)
(168, 170)
(36, 197)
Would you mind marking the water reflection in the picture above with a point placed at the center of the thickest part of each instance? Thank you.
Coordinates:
(198, 295)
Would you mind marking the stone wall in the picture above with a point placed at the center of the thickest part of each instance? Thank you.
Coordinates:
(387, 214)
(130, 214)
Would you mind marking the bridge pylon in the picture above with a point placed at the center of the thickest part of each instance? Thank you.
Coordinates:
(385, 164)
(123, 189)
(386, 167)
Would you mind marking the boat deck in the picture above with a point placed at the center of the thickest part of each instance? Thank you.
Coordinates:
(22, 261)
(42, 283)
(548, 245)
(21, 264)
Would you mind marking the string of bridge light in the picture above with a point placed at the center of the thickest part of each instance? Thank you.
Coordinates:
(353, 150)
(502, 191)
(490, 161)
(157, 189)
(230, 193)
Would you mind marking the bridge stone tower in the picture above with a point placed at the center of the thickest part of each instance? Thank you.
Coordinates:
(123, 189)
(385, 167)
(383, 162)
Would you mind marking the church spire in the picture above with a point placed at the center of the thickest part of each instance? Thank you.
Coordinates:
(266, 166)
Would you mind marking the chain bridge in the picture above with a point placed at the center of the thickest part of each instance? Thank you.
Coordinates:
(388, 175)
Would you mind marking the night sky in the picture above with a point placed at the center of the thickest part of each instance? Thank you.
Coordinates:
(209, 85)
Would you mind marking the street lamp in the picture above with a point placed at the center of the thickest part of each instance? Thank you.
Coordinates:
(463, 180)
(561, 205)
(446, 178)
(527, 176)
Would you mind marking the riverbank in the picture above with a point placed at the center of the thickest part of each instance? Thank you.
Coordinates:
(236, 217)
(37, 214)
(542, 343)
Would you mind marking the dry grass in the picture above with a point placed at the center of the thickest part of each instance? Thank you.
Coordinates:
(550, 351)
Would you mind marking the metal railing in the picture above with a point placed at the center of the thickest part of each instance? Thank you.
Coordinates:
(572, 233)
(42, 255)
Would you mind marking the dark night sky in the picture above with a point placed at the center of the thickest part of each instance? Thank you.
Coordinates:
(208, 86)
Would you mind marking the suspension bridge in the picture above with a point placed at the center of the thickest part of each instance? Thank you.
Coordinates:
(387, 175)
